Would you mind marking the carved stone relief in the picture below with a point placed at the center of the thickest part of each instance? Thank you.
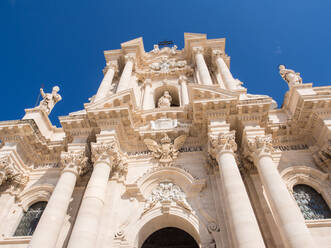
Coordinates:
(167, 192)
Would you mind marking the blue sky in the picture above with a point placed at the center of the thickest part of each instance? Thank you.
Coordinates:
(62, 42)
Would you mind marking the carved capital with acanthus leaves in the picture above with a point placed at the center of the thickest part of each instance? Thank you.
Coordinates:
(224, 142)
(108, 152)
(255, 147)
(197, 50)
(76, 162)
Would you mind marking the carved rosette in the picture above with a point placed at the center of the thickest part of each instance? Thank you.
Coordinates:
(258, 146)
(76, 161)
(16, 179)
(109, 153)
(224, 142)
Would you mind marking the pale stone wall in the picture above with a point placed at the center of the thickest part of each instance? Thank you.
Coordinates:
(214, 161)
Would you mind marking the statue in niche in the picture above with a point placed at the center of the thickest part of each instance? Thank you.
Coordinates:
(49, 99)
(165, 100)
(290, 76)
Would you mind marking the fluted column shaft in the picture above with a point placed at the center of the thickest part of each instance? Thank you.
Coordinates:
(202, 67)
(148, 100)
(126, 74)
(85, 231)
(245, 229)
(288, 216)
(51, 222)
(106, 83)
(224, 70)
(183, 83)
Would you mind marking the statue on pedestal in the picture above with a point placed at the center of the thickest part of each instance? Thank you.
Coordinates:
(165, 100)
(49, 99)
(290, 76)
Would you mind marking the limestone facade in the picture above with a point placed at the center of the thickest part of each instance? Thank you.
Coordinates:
(171, 139)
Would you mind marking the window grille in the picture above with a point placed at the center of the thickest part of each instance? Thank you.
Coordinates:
(311, 203)
(30, 219)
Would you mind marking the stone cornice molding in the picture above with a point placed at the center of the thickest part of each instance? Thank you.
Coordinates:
(75, 161)
(224, 142)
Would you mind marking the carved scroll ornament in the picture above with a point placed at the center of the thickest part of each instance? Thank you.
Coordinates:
(167, 192)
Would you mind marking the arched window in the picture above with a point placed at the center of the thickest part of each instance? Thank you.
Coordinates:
(311, 203)
(30, 219)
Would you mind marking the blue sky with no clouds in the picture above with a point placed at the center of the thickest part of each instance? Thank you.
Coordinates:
(62, 42)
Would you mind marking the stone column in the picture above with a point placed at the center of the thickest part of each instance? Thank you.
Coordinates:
(289, 219)
(148, 100)
(224, 70)
(183, 84)
(85, 230)
(202, 67)
(126, 74)
(51, 222)
(245, 229)
(106, 84)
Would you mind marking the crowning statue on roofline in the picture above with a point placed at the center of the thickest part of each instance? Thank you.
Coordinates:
(49, 99)
(290, 76)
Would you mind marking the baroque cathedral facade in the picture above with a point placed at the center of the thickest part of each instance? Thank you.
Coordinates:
(170, 152)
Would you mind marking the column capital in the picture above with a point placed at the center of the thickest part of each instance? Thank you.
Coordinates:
(197, 50)
(147, 82)
(182, 79)
(113, 65)
(75, 162)
(109, 153)
(258, 146)
(130, 57)
(217, 53)
(221, 143)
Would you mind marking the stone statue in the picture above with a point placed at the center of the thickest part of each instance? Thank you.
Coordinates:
(290, 76)
(166, 152)
(49, 99)
(156, 49)
(165, 100)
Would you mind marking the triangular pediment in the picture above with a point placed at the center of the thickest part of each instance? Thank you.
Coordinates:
(122, 99)
(210, 93)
